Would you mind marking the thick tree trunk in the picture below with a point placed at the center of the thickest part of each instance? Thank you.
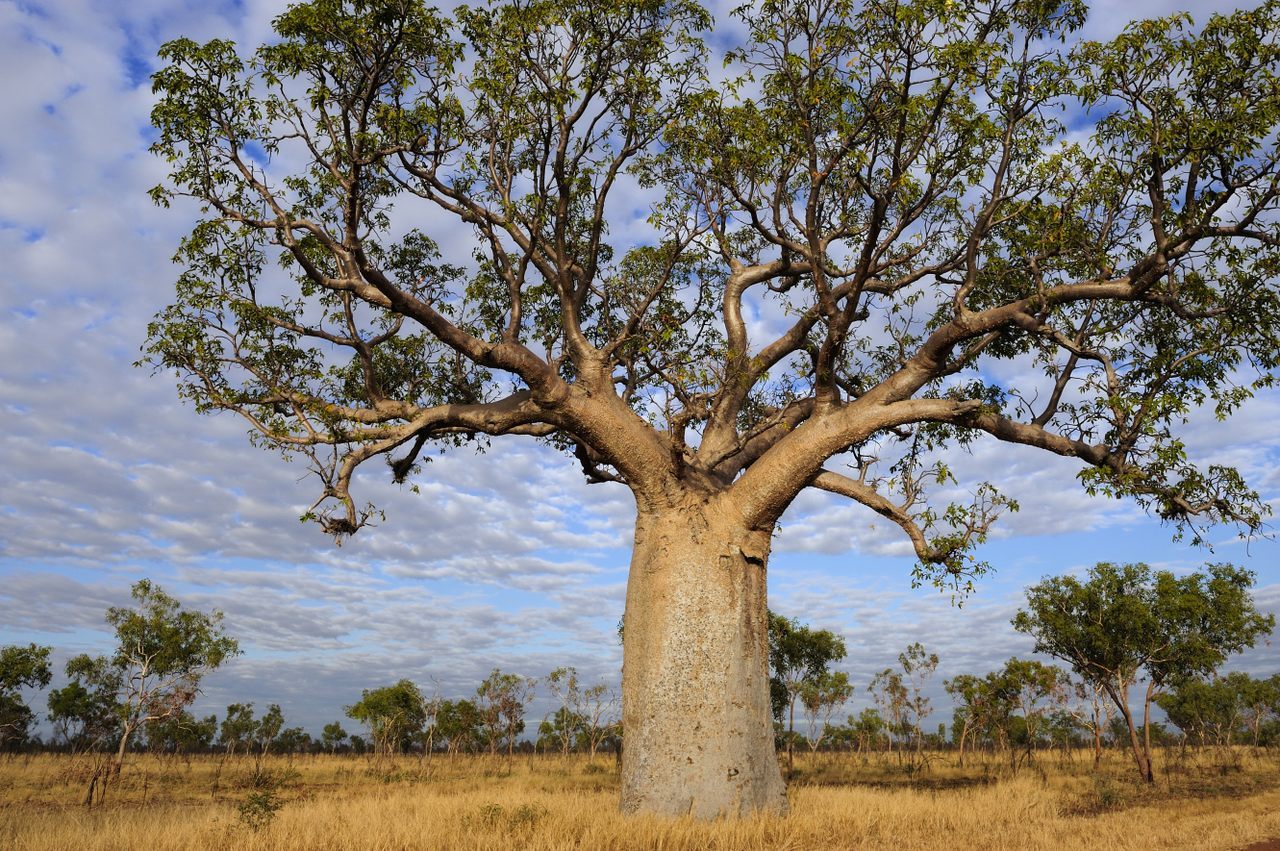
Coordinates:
(695, 684)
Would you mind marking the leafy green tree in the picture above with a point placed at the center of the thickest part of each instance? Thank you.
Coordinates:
(1092, 712)
(292, 740)
(268, 728)
(1261, 702)
(598, 708)
(501, 701)
(821, 699)
(20, 667)
(900, 693)
(181, 733)
(567, 722)
(458, 723)
(1215, 711)
(1125, 621)
(561, 731)
(162, 654)
(978, 706)
(394, 714)
(798, 656)
(332, 736)
(85, 713)
(1031, 691)
(238, 728)
(1207, 711)
(868, 727)
(892, 184)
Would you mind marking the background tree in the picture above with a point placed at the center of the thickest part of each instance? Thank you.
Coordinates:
(1207, 712)
(458, 723)
(501, 701)
(867, 728)
(890, 185)
(20, 667)
(798, 656)
(1031, 690)
(1261, 702)
(561, 731)
(85, 713)
(1092, 712)
(599, 716)
(889, 691)
(1126, 620)
(162, 653)
(393, 714)
(332, 736)
(822, 699)
(181, 733)
(568, 722)
(268, 728)
(1214, 711)
(238, 727)
(975, 702)
(900, 694)
(292, 740)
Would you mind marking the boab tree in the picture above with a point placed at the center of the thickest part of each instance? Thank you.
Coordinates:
(846, 236)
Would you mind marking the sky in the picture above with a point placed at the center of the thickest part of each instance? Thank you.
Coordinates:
(505, 559)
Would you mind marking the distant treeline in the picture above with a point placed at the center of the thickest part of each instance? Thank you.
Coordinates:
(1124, 626)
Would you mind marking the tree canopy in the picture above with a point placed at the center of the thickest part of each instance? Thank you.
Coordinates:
(891, 186)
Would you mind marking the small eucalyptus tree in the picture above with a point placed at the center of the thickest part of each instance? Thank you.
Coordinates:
(568, 721)
(822, 698)
(20, 667)
(871, 236)
(162, 653)
(333, 736)
(237, 729)
(85, 713)
(501, 700)
(1127, 622)
(799, 657)
(394, 714)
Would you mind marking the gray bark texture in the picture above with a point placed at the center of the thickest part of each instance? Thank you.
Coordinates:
(695, 682)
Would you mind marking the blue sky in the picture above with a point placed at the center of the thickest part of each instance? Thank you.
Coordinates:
(505, 559)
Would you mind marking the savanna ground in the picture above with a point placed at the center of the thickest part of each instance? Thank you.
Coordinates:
(1202, 801)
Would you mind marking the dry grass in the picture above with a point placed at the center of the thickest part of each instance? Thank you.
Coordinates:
(837, 803)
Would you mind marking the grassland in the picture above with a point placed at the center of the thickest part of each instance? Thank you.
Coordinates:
(838, 802)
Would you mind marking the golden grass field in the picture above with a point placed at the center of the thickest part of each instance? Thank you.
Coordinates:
(838, 802)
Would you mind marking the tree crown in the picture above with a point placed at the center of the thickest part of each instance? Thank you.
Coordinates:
(844, 241)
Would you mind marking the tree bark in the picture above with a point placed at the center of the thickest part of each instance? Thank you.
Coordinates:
(695, 684)
(1146, 734)
(1139, 756)
(125, 734)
